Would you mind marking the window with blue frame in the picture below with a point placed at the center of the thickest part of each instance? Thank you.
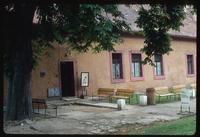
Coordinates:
(158, 65)
(136, 65)
(117, 66)
(190, 68)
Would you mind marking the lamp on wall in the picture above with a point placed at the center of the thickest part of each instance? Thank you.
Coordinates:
(42, 73)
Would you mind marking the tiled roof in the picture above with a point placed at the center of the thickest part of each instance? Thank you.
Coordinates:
(188, 30)
(131, 13)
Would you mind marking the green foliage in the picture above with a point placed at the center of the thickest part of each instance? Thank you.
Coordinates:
(97, 27)
(39, 46)
(194, 9)
(82, 27)
(156, 22)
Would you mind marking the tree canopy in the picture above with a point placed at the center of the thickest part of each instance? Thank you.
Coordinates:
(82, 27)
(156, 22)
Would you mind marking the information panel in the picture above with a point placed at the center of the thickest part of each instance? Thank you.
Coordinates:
(185, 100)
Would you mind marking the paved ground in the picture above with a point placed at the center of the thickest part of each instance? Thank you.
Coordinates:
(81, 119)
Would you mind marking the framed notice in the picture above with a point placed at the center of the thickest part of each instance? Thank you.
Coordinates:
(84, 79)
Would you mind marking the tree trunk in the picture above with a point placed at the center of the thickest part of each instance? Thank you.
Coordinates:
(19, 99)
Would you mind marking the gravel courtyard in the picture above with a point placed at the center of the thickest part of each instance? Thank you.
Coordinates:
(81, 119)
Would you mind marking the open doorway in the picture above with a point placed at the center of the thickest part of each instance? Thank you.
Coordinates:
(67, 78)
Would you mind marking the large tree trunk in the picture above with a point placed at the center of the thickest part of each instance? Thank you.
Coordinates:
(19, 99)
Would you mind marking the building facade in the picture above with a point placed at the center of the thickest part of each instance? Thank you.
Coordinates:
(62, 69)
(120, 69)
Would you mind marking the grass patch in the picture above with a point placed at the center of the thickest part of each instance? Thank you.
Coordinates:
(183, 126)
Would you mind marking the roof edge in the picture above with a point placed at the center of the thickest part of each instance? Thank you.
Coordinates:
(138, 34)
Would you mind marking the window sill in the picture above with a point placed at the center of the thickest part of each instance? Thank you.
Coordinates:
(159, 77)
(190, 75)
(118, 81)
(137, 79)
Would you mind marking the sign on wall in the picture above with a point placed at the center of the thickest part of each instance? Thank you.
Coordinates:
(53, 92)
(84, 79)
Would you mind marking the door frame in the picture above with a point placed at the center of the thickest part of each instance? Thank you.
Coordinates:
(75, 75)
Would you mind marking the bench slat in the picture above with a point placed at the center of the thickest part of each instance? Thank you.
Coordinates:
(125, 97)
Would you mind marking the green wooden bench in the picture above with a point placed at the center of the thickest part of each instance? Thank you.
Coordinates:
(177, 89)
(123, 94)
(193, 86)
(103, 93)
(163, 92)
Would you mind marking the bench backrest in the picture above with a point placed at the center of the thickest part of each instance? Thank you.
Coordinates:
(178, 88)
(193, 85)
(162, 90)
(37, 100)
(105, 91)
(124, 92)
(39, 103)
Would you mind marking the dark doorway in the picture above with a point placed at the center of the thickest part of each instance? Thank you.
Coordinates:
(67, 78)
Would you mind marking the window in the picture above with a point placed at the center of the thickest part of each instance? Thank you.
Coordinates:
(159, 65)
(136, 66)
(190, 65)
(158, 69)
(117, 67)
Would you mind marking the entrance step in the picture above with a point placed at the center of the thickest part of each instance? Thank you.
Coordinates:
(62, 101)
(104, 105)
(70, 99)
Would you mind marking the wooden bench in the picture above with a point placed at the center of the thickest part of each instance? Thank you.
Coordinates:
(193, 86)
(123, 94)
(42, 104)
(104, 92)
(163, 92)
(177, 89)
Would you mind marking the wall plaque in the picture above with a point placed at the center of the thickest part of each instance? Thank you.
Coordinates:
(53, 92)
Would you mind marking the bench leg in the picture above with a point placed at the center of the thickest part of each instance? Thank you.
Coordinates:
(56, 111)
(45, 112)
(32, 113)
(38, 109)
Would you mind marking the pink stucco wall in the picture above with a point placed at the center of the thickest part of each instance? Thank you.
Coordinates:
(98, 66)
